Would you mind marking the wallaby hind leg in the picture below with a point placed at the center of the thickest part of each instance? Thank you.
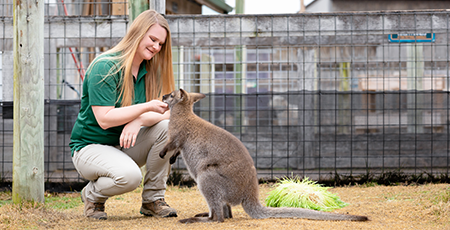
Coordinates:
(214, 200)
(203, 214)
(202, 217)
(226, 212)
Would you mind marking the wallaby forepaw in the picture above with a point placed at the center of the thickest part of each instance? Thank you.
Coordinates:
(172, 159)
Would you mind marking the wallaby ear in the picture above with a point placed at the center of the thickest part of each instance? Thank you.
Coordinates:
(197, 96)
(183, 93)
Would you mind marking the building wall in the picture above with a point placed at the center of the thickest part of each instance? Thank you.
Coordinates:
(365, 5)
(183, 7)
(319, 6)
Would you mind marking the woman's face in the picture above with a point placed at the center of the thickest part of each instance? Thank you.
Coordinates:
(151, 43)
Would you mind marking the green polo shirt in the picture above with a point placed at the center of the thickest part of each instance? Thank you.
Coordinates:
(101, 91)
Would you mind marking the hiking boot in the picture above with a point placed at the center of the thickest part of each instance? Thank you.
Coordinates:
(158, 208)
(93, 210)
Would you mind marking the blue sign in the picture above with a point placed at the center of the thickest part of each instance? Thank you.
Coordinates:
(423, 37)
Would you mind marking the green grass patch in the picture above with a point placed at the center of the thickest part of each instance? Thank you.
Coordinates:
(62, 202)
(443, 197)
(5, 198)
(51, 200)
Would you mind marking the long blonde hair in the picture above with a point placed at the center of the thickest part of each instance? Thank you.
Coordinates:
(159, 78)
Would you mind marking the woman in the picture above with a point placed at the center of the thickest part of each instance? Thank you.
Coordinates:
(122, 124)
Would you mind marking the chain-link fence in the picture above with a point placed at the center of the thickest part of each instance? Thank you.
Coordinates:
(311, 94)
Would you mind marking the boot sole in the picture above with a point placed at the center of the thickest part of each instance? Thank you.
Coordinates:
(150, 213)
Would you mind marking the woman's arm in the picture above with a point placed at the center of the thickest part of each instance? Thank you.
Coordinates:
(151, 118)
(108, 116)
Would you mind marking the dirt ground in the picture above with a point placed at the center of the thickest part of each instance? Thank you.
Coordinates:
(392, 207)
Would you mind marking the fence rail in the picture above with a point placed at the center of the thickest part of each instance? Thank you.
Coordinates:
(310, 94)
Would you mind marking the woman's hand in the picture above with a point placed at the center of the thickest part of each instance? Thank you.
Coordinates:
(157, 106)
(131, 130)
(129, 134)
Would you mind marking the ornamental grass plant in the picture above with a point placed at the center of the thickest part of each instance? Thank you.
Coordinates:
(297, 193)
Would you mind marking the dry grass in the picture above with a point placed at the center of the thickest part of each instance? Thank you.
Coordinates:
(394, 207)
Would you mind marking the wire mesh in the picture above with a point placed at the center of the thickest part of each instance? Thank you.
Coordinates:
(311, 94)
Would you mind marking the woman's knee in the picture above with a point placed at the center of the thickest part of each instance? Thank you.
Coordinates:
(129, 179)
(164, 123)
(162, 127)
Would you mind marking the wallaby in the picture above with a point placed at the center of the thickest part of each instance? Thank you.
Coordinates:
(221, 166)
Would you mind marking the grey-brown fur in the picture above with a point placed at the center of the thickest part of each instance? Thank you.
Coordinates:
(221, 166)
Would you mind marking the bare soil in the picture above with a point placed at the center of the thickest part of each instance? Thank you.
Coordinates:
(388, 207)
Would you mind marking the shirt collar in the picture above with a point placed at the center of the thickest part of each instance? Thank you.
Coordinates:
(142, 71)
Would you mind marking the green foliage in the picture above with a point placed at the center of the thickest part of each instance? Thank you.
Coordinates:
(5, 198)
(303, 194)
(175, 178)
(178, 178)
(388, 178)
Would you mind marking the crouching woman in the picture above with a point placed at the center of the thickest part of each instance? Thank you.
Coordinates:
(122, 123)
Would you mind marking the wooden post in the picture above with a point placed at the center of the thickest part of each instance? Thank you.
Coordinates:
(119, 7)
(28, 148)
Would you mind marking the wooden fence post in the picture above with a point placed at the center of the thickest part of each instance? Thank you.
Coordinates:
(28, 147)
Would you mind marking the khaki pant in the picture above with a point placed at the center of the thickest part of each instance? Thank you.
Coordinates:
(113, 170)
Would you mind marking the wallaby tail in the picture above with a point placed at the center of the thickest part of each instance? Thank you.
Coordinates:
(256, 210)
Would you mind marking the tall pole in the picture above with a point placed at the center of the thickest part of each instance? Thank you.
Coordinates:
(28, 147)
(137, 7)
(158, 5)
(414, 69)
(239, 71)
(239, 9)
(302, 6)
